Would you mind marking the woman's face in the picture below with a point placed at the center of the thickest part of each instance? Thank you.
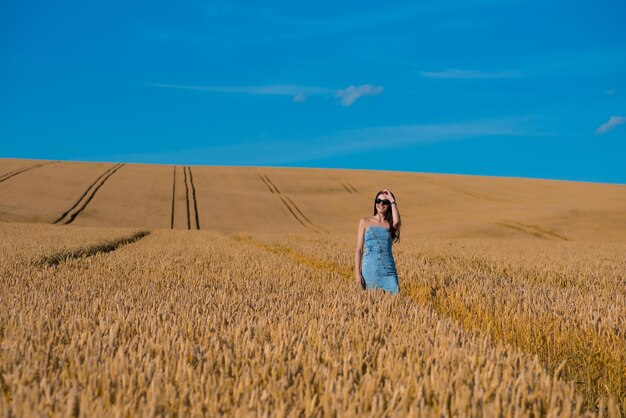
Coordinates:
(383, 206)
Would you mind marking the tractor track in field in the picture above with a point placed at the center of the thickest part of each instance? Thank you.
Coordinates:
(14, 173)
(295, 211)
(534, 230)
(195, 201)
(68, 216)
(347, 186)
(465, 191)
(103, 248)
(173, 199)
(186, 196)
(192, 202)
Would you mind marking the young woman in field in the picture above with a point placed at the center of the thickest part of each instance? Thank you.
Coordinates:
(374, 266)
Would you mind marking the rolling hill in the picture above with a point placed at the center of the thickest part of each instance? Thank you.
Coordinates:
(297, 200)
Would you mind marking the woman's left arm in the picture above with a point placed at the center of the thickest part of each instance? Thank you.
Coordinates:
(395, 213)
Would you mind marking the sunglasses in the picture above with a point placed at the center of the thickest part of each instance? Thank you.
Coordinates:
(384, 202)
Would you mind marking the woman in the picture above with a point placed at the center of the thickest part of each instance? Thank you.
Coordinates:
(375, 268)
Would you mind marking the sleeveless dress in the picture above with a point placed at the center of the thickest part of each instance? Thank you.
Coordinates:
(377, 266)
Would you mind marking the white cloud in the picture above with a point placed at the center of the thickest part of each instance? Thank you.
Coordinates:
(456, 73)
(611, 124)
(298, 93)
(270, 90)
(350, 94)
(611, 92)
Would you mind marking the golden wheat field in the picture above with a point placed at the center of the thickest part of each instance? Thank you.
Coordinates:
(132, 290)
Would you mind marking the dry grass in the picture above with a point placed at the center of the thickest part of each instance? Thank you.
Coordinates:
(563, 301)
(513, 294)
(316, 201)
(198, 323)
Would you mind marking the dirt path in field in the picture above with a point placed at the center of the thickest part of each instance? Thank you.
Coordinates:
(173, 199)
(343, 271)
(193, 195)
(68, 216)
(13, 173)
(349, 187)
(191, 201)
(534, 230)
(104, 248)
(295, 211)
(465, 191)
(187, 197)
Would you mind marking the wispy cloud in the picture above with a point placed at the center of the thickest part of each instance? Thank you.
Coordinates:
(350, 94)
(346, 142)
(594, 61)
(611, 92)
(456, 73)
(299, 93)
(407, 135)
(613, 122)
(270, 90)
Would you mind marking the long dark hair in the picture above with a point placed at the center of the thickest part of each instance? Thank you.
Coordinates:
(395, 233)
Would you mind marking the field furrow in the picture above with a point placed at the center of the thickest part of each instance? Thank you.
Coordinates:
(173, 199)
(274, 190)
(295, 211)
(180, 200)
(346, 187)
(19, 249)
(68, 216)
(194, 199)
(90, 250)
(187, 197)
(14, 173)
(534, 230)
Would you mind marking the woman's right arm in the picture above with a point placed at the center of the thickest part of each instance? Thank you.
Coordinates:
(358, 255)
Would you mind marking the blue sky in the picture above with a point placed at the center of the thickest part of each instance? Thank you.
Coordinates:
(500, 88)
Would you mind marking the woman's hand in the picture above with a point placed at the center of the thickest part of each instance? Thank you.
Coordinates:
(389, 195)
(360, 281)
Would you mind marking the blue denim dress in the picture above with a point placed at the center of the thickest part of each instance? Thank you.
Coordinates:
(377, 266)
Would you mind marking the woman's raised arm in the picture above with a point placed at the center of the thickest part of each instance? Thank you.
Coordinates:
(395, 213)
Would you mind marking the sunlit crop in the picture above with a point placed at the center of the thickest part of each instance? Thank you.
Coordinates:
(204, 324)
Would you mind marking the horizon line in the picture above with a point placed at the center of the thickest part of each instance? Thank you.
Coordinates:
(320, 168)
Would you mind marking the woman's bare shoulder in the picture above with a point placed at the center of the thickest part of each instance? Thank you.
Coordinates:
(365, 221)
